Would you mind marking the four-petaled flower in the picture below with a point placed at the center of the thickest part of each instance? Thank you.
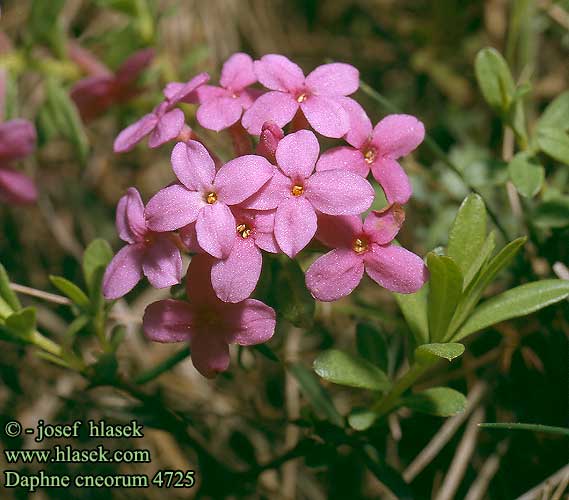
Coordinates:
(204, 195)
(363, 247)
(378, 149)
(154, 255)
(206, 322)
(297, 192)
(319, 95)
(164, 123)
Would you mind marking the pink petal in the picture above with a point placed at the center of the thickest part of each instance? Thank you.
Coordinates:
(210, 353)
(168, 127)
(134, 133)
(295, 225)
(247, 97)
(16, 188)
(219, 113)
(393, 180)
(237, 72)
(335, 274)
(168, 321)
(253, 322)
(93, 95)
(130, 70)
(338, 231)
(215, 228)
(235, 278)
(198, 281)
(297, 154)
(397, 135)
(326, 115)
(241, 178)
(189, 238)
(172, 208)
(382, 226)
(17, 139)
(271, 194)
(343, 158)
(184, 91)
(124, 271)
(276, 72)
(207, 93)
(396, 268)
(336, 192)
(86, 60)
(193, 165)
(264, 224)
(129, 220)
(334, 79)
(278, 107)
(360, 125)
(162, 263)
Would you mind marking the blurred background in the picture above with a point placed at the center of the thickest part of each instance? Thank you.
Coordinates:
(419, 55)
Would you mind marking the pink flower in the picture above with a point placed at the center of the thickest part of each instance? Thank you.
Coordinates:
(235, 277)
(378, 149)
(269, 139)
(204, 195)
(154, 255)
(298, 193)
(17, 140)
(95, 94)
(164, 123)
(364, 247)
(207, 323)
(318, 95)
(223, 106)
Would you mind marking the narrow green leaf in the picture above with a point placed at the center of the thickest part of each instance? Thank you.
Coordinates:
(548, 429)
(468, 232)
(267, 352)
(361, 419)
(414, 309)
(372, 345)
(315, 393)
(346, 369)
(554, 142)
(555, 115)
(440, 401)
(22, 323)
(97, 255)
(552, 213)
(494, 79)
(445, 290)
(526, 174)
(70, 290)
(480, 259)
(76, 326)
(6, 292)
(428, 353)
(519, 301)
(163, 366)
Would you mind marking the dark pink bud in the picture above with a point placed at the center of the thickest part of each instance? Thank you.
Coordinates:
(16, 188)
(269, 139)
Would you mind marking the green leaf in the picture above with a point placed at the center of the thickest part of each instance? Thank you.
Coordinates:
(549, 429)
(494, 79)
(440, 401)
(22, 323)
(554, 142)
(346, 369)
(468, 232)
(289, 295)
(70, 290)
(361, 419)
(267, 352)
(428, 353)
(76, 326)
(65, 117)
(445, 290)
(372, 345)
(315, 393)
(555, 115)
(480, 259)
(97, 255)
(6, 292)
(45, 25)
(414, 309)
(526, 174)
(552, 213)
(519, 301)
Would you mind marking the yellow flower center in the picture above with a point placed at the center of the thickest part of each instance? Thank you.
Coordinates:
(297, 190)
(369, 155)
(360, 245)
(301, 98)
(244, 231)
(211, 198)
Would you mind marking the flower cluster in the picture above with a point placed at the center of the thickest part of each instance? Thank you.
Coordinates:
(275, 198)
